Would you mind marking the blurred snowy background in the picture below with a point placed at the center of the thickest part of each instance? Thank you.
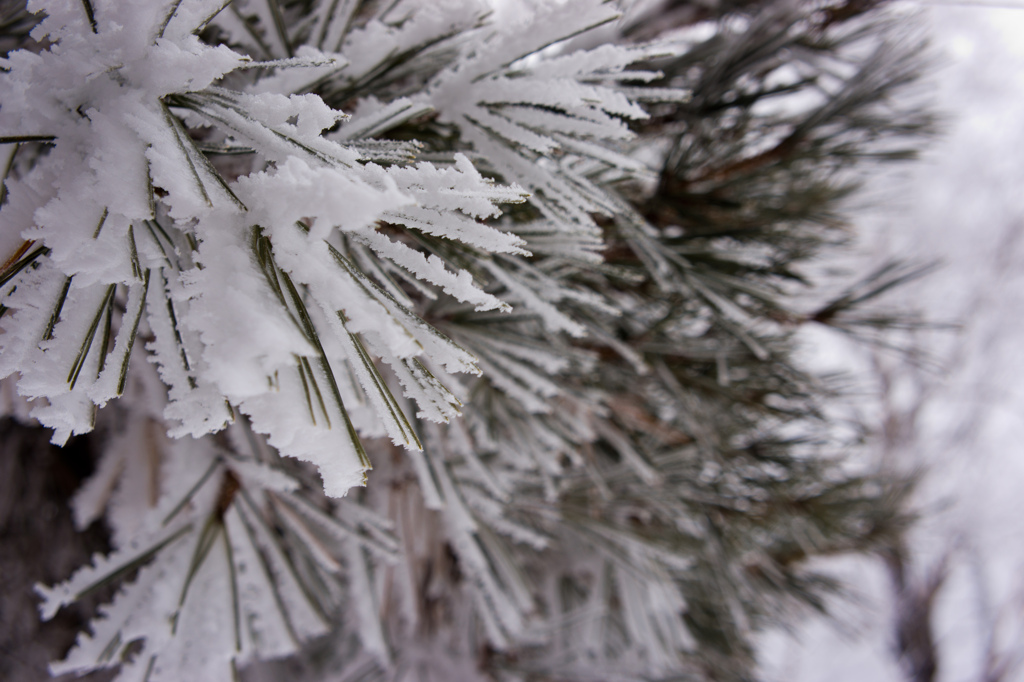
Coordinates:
(957, 416)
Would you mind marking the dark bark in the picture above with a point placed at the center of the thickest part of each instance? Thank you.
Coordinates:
(914, 600)
(38, 543)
